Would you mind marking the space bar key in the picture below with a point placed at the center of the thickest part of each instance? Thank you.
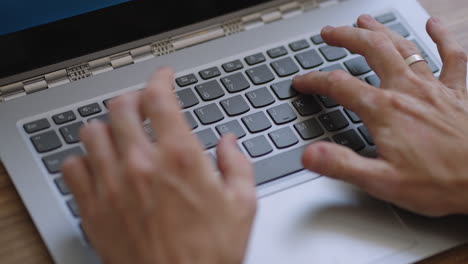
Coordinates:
(279, 165)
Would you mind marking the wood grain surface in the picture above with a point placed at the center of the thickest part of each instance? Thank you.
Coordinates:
(20, 242)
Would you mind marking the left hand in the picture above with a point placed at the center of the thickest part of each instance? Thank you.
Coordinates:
(164, 202)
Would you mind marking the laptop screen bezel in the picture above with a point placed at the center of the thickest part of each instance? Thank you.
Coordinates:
(103, 29)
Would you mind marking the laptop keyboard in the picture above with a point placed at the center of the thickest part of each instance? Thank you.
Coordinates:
(251, 97)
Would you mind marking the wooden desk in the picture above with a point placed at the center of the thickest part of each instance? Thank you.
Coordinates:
(20, 242)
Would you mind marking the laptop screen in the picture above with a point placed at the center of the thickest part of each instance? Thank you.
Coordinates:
(39, 33)
(16, 15)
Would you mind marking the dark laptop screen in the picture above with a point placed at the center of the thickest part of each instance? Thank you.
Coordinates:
(38, 33)
(16, 15)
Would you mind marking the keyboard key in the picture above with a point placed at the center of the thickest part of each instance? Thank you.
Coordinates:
(317, 39)
(89, 110)
(284, 89)
(73, 206)
(46, 142)
(306, 105)
(400, 29)
(255, 59)
(285, 67)
(309, 129)
(71, 133)
(232, 127)
(210, 73)
(365, 133)
(309, 59)
(420, 48)
(386, 18)
(333, 53)
(282, 114)
(207, 138)
(357, 66)
(54, 162)
(334, 121)
(373, 80)
(260, 75)
(328, 102)
(277, 52)
(258, 146)
(434, 68)
(186, 98)
(260, 97)
(103, 118)
(299, 45)
(235, 105)
(352, 116)
(257, 122)
(186, 80)
(210, 91)
(283, 138)
(36, 126)
(190, 120)
(334, 67)
(233, 66)
(85, 236)
(235, 83)
(279, 165)
(350, 139)
(209, 114)
(61, 186)
(64, 117)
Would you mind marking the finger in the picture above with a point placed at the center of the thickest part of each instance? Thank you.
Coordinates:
(79, 179)
(234, 166)
(339, 162)
(126, 121)
(161, 107)
(376, 47)
(405, 47)
(453, 56)
(102, 155)
(348, 91)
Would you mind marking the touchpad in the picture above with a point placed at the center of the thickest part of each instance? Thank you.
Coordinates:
(326, 221)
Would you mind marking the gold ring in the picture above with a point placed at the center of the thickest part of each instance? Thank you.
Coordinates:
(414, 59)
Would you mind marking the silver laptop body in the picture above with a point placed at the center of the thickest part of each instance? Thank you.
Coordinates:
(302, 217)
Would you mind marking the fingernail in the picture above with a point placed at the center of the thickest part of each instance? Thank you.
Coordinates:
(327, 29)
(435, 20)
(366, 18)
(297, 78)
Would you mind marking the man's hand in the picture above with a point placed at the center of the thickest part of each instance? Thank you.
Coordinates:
(164, 202)
(419, 123)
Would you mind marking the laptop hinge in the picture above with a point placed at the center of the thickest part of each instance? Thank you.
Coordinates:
(160, 48)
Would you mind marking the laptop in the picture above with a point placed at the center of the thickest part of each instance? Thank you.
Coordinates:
(234, 60)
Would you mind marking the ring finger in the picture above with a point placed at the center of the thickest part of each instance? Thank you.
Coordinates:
(405, 47)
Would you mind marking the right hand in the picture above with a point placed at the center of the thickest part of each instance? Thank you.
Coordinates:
(419, 123)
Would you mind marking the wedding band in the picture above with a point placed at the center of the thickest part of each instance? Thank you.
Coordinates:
(414, 58)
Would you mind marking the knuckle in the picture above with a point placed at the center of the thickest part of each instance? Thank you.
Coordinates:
(408, 47)
(139, 167)
(389, 99)
(182, 156)
(337, 77)
(379, 40)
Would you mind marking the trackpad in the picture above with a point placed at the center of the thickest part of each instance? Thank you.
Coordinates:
(326, 221)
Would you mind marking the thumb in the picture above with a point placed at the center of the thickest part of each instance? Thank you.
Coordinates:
(335, 161)
(234, 166)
